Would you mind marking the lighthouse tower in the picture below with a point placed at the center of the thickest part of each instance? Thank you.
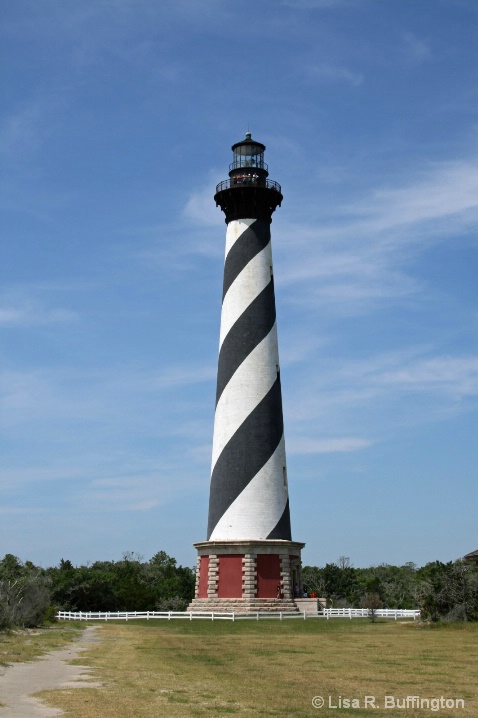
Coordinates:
(249, 561)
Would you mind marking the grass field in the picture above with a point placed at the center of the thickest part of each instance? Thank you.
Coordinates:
(272, 668)
(26, 645)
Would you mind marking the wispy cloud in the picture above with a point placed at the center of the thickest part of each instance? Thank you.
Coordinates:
(440, 191)
(365, 255)
(362, 253)
(302, 445)
(138, 492)
(64, 394)
(19, 133)
(13, 478)
(200, 208)
(125, 484)
(332, 73)
(33, 315)
(415, 49)
(433, 192)
(313, 4)
(47, 396)
(181, 376)
(20, 510)
(446, 376)
(141, 488)
(24, 133)
(361, 393)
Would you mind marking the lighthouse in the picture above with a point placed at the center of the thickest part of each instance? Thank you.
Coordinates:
(249, 561)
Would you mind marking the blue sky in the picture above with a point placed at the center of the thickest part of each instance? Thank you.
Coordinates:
(117, 123)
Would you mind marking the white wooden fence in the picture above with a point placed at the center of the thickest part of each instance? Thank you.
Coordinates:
(390, 613)
(365, 613)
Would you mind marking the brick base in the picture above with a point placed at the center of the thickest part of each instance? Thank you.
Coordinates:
(230, 591)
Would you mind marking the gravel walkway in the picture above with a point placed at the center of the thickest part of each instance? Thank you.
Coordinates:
(50, 672)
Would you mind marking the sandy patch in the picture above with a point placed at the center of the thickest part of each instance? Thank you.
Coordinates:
(21, 681)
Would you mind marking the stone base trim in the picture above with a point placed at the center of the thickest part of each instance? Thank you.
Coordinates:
(237, 605)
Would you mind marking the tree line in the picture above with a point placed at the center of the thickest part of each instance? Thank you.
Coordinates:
(442, 591)
(31, 595)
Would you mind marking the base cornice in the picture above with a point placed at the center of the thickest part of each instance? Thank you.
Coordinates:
(205, 548)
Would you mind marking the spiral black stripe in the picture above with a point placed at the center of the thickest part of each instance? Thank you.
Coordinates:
(246, 453)
(282, 529)
(251, 242)
(250, 329)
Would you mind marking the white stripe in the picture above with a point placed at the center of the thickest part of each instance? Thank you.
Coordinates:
(234, 231)
(247, 387)
(258, 508)
(255, 276)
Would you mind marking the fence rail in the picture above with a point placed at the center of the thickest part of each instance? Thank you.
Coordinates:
(326, 613)
(365, 613)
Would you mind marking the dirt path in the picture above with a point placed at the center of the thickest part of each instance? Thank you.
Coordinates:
(49, 672)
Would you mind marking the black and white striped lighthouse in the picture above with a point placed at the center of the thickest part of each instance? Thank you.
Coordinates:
(249, 560)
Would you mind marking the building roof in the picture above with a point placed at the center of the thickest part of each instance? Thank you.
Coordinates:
(473, 556)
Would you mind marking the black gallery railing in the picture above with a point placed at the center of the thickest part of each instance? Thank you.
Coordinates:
(248, 181)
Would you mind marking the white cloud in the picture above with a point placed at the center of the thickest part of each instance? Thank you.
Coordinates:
(177, 376)
(134, 493)
(456, 377)
(137, 490)
(415, 49)
(200, 209)
(24, 133)
(444, 190)
(31, 315)
(332, 73)
(304, 445)
(417, 368)
(366, 255)
(20, 510)
(313, 4)
(69, 396)
(19, 135)
(19, 477)
(374, 394)
(362, 257)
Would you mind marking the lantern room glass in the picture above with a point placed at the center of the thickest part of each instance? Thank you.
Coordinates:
(248, 154)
